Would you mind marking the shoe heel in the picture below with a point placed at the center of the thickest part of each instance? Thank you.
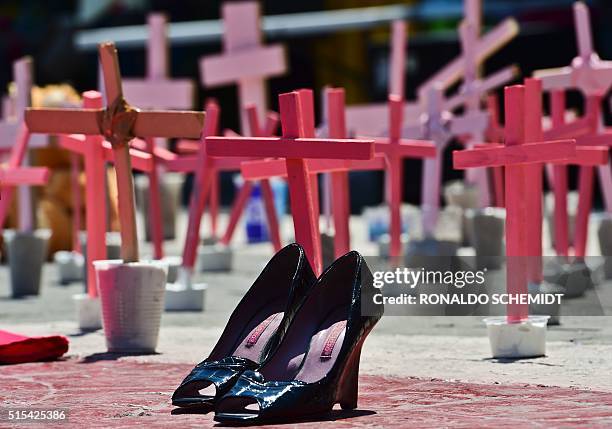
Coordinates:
(349, 383)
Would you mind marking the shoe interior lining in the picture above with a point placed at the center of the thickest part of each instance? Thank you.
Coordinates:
(329, 302)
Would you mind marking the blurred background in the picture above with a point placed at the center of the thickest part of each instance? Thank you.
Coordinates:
(351, 54)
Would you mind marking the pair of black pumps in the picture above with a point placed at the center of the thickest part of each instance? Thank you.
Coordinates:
(291, 348)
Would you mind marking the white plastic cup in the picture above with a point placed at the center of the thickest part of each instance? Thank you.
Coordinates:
(132, 298)
(516, 340)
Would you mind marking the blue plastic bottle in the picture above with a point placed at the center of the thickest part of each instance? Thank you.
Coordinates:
(255, 219)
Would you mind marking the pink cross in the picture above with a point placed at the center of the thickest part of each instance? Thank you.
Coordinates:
(395, 149)
(13, 175)
(472, 92)
(516, 154)
(337, 168)
(244, 61)
(372, 119)
(119, 123)
(586, 157)
(190, 163)
(590, 75)
(156, 90)
(487, 45)
(440, 126)
(241, 199)
(10, 132)
(11, 122)
(208, 168)
(297, 122)
(495, 133)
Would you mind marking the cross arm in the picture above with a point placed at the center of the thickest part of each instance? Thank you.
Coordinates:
(224, 69)
(156, 93)
(489, 83)
(169, 123)
(528, 153)
(557, 78)
(279, 147)
(469, 122)
(64, 121)
(602, 139)
(77, 143)
(24, 176)
(486, 46)
(587, 156)
(569, 130)
(188, 146)
(264, 169)
(407, 148)
(160, 153)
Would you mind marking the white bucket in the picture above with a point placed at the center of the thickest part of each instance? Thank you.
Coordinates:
(523, 339)
(132, 298)
(214, 257)
(69, 266)
(89, 315)
(27, 253)
(181, 298)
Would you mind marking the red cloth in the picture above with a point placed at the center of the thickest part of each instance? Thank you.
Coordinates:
(15, 348)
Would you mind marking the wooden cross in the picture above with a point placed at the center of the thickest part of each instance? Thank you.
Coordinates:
(515, 155)
(295, 149)
(592, 76)
(158, 91)
(245, 60)
(96, 153)
(119, 123)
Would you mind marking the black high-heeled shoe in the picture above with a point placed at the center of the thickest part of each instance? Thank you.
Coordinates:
(317, 363)
(254, 330)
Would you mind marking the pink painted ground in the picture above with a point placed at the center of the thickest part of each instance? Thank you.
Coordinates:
(111, 393)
